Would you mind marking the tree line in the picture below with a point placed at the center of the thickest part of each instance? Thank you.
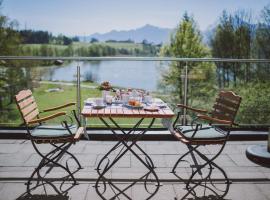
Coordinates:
(235, 36)
(44, 37)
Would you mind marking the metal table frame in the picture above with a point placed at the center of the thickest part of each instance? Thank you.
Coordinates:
(123, 146)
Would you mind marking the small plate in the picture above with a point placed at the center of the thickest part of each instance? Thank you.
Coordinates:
(151, 109)
(161, 104)
(99, 107)
(88, 102)
(133, 107)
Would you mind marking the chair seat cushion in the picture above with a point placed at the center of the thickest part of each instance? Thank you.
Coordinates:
(205, 133)
(52, 131)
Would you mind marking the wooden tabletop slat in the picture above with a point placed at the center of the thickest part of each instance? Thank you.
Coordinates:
(102, 112)
(168, 112)
(94, 112)
(107, 112)
(123, 112)
(142, 112)
(113, 112)
(136, 112)
(148, 113)
(127, 112)
(119, 111)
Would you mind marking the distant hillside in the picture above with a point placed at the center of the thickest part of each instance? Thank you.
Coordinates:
(150, 33)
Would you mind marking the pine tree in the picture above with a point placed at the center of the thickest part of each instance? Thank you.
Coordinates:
(186, 42)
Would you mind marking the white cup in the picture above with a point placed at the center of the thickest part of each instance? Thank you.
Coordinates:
(148, 99)
(125, 98)
(109, 99)
(104, 94)
(99, 101)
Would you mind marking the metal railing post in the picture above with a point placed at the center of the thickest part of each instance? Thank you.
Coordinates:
(185, 94)
(79, 92)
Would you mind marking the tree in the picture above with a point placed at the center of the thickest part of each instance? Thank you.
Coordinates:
(9, 38)
(232, 39)
(75, 39)
(262, 41)
(186, 42)
(93, 40)
(66, 40)
(263, 34)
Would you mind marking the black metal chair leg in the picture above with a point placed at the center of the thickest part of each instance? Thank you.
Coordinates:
(50, 158)
(208, 162)
(65, 150)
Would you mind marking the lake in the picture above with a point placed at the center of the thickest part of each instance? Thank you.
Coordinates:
(134, 74)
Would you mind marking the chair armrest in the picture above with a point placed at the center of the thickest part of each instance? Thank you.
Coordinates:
(192, 109)
(78, 133)
(42, 119)
(211, 119)
(59, 107)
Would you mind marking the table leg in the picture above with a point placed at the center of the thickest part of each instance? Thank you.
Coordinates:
(148, 163)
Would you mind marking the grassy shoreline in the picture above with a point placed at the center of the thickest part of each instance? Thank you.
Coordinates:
(66, 94)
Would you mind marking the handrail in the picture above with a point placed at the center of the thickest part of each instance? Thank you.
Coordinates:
(128, 58)
(136, 59)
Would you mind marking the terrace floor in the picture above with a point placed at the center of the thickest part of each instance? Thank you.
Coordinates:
(18, 159)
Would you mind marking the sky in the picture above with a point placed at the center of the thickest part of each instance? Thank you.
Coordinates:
(85, 17)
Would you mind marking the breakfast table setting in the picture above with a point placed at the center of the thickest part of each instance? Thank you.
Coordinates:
(133, 104)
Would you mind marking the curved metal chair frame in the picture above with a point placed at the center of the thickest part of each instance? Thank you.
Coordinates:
(197, 135)
(59, 137)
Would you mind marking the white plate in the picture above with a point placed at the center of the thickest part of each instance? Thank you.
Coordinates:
(134, 107)
(88, 102)
(99, 107)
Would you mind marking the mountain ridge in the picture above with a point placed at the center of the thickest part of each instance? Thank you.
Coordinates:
(152, 34)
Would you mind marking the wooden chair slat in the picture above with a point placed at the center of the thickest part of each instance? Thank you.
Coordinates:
(218, 115)
(227, 103)
(23, 94)
(26, 102)
(230, 95)
(78, 133)
(223, 109)
(226, 106)
(25, 111)
(31, 116)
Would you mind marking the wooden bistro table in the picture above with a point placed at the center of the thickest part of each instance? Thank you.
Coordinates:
(124, 145)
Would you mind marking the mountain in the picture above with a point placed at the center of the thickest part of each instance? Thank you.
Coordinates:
(148, 32)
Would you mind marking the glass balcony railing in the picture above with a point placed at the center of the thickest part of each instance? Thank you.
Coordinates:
(194, 82)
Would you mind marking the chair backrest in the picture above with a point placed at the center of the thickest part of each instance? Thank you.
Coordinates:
(226, 106)
(27, 105)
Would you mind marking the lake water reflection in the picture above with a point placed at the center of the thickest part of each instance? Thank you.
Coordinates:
(135, 74)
